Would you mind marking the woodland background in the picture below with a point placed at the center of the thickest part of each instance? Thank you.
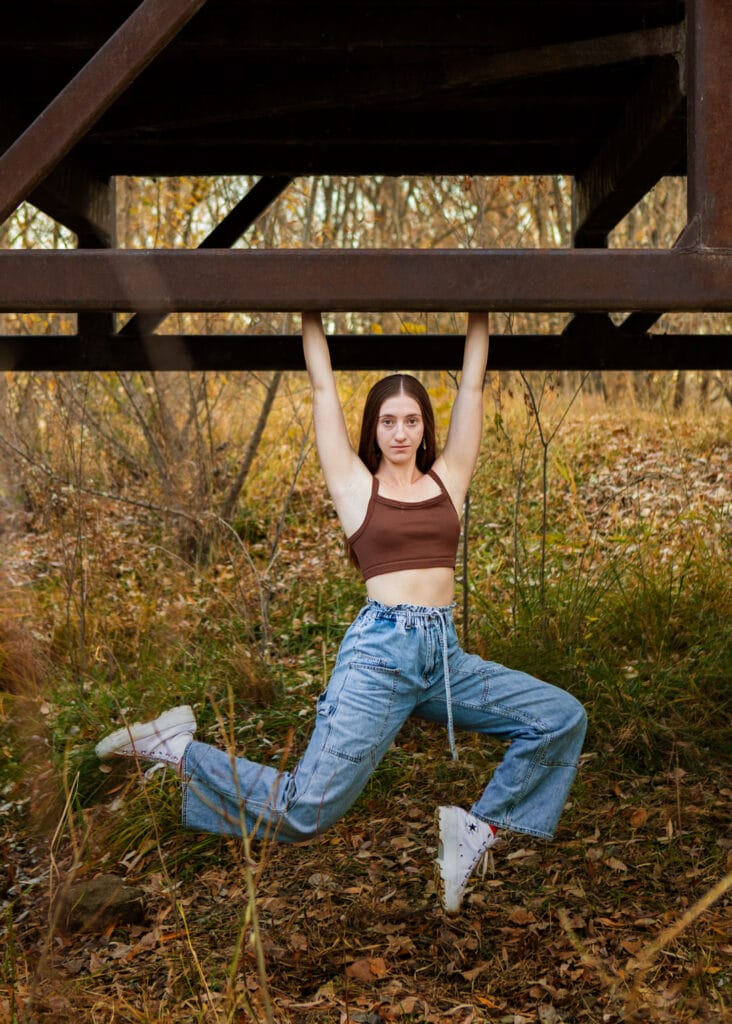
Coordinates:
(167, 538)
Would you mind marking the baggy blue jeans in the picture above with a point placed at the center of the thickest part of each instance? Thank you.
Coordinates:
(395, 662)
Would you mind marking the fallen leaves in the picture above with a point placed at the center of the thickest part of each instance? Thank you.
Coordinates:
(367, 969)
(352, 932)
(520, 916)
(639, 817)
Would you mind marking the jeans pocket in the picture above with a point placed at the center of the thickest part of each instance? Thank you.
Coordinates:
(369, 662)
(359, 715)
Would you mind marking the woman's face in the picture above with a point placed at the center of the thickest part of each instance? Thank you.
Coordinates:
(400, 429)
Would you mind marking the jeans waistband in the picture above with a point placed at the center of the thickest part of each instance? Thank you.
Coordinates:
(413, 612)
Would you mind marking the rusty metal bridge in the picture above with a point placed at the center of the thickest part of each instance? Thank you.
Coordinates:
(614, 93)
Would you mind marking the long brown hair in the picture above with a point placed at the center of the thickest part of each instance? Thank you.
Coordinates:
(395, 384)
(368, 450)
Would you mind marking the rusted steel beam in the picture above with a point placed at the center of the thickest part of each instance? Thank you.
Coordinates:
(224, 235)
(709, 70)
(96, 321)
(246, 211)
(599, 325)
(709, 134)
(92, 91)
(639, 323)
(361, 352)
(645, 144)
(73, 194)
(517, 280)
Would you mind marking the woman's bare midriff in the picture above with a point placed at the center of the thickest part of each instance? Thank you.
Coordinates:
(428, 588)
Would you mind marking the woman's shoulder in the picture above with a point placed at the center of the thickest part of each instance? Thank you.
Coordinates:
(455, 488)
(439, 471)
(351, 497)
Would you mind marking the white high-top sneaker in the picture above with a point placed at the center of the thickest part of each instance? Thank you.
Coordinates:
(463, 839)
(164, 739)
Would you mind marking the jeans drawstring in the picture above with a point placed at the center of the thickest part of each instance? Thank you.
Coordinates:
(411, 615)
(448, 691)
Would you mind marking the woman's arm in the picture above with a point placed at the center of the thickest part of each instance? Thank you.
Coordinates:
(460, 454)
(347, 479)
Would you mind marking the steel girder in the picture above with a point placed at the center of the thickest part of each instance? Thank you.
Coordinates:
(514, 280)
(696, 275)
(583, 351)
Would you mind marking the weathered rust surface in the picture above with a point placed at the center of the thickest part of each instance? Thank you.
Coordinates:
(265, 87)
(92, 91)
(709, 69)
(530, 280)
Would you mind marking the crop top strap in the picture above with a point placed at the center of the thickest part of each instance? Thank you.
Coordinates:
(438, 481)
(369, 511)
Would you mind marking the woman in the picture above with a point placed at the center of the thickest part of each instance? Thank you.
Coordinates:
(397, 501)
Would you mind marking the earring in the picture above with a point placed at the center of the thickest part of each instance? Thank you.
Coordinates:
(423, 446)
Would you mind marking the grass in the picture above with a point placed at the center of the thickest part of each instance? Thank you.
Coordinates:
(632, 614)
(647, 649)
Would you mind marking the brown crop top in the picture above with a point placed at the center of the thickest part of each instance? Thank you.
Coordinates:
(398, 535)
